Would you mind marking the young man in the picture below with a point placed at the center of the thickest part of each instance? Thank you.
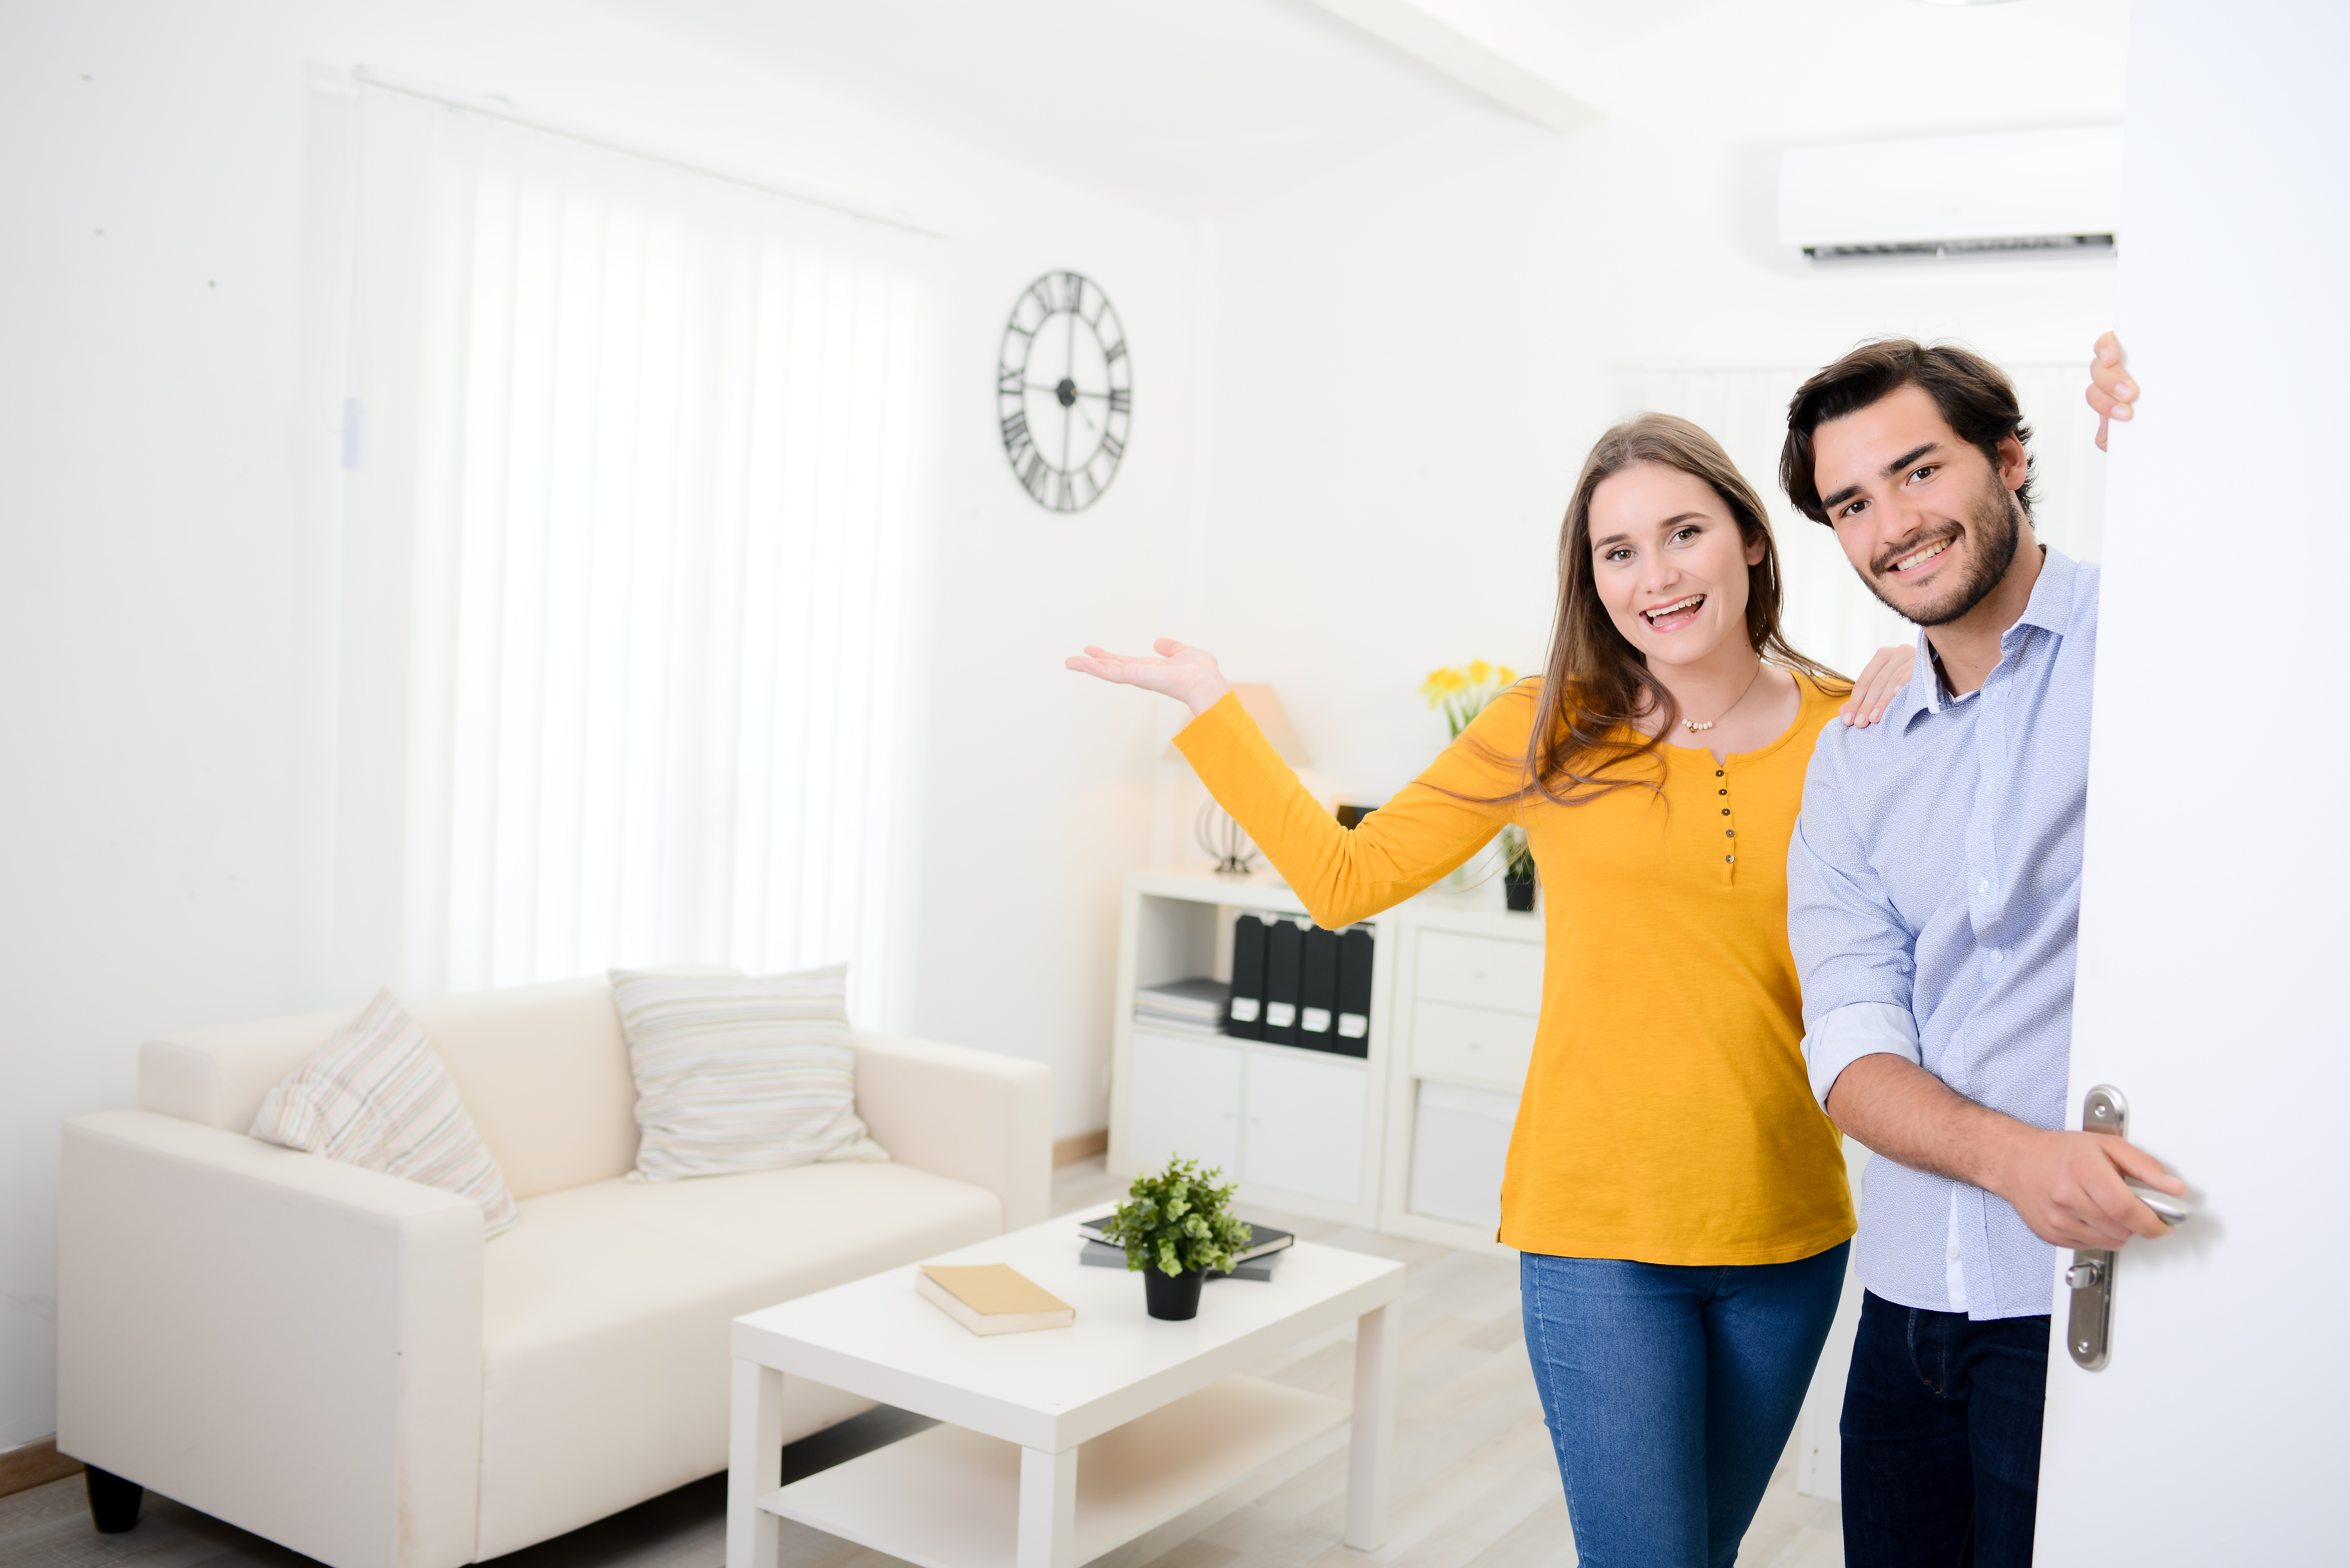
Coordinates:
(1934, 889)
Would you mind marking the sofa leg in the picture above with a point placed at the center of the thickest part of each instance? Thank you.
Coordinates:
(113, 1501)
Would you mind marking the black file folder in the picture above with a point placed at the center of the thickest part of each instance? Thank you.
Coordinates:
(1244, 1014)
(1352, 1034)
(1284, 948)
(1318, 991)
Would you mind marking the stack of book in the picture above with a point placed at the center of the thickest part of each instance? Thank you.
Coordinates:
(1185, 1006)
(1253, 1262)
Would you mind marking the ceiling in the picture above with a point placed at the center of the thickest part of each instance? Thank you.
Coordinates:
(1604, 24)
(1187, 107)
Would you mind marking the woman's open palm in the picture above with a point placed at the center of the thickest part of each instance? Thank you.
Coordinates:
(1186, 674)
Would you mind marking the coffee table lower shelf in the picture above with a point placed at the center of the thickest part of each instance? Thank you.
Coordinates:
(949, 1498)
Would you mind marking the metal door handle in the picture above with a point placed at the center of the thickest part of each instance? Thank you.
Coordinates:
(2172, 1211)
(2089, 1328)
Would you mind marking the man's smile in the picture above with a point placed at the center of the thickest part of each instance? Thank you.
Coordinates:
(1917, 559)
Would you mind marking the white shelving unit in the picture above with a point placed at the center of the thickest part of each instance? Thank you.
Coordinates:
(1456, 981)
(1300, 1130)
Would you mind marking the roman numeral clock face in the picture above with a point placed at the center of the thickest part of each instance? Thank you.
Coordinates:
(1065, 391)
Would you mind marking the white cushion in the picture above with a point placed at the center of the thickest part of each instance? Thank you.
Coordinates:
(545, 1072)
(605, 1323)
(740, 1073)
(375, 1096)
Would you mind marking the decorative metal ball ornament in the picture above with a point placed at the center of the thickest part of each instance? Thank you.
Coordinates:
(1221, 840)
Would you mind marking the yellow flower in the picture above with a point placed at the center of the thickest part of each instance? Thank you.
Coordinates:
(1480, 672)
(1506, 676)
(1456, 681)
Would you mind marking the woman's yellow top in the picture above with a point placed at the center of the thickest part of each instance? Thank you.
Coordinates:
(1666, 1117)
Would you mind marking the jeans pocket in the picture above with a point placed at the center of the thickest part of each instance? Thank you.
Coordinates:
(1928, 1351)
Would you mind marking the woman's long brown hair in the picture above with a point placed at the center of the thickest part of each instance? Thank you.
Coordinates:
(1596, 686)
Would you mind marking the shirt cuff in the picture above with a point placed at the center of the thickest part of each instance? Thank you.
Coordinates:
(1856, 1029)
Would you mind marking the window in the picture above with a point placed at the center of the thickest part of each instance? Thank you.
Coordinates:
(627, 558)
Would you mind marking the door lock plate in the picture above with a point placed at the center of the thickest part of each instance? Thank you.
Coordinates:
(2089, 1327)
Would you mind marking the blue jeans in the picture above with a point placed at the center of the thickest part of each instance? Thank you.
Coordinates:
(1669, 1393)
(1941, 1437)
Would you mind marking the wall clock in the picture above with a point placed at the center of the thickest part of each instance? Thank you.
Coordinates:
(1064, 391)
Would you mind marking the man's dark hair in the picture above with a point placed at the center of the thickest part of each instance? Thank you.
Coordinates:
(1975, 396)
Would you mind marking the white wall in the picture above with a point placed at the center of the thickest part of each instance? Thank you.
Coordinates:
(168, 511)
(1413, 356)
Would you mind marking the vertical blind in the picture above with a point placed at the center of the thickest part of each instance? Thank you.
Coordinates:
(628, 611)
(1829, 615)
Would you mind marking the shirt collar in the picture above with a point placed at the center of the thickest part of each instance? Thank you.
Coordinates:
(2050, 607)
(1924, 693)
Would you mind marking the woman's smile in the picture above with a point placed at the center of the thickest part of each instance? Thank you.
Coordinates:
(1675, 613)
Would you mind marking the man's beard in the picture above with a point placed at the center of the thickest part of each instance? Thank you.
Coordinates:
(1992, 525)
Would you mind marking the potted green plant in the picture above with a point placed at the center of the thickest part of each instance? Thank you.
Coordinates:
(1517, 869)
(1175, 1226)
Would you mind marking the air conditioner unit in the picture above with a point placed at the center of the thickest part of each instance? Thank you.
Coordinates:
(2017, 193)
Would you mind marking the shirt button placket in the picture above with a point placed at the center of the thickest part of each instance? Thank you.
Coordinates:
(1729, 827)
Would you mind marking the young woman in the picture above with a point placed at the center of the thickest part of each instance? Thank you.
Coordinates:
(1677, 1195)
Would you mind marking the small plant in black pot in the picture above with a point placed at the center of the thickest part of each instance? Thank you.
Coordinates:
(1175, 1226)
(1517, 869)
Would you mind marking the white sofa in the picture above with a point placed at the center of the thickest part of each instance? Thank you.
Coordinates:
(335, 1359)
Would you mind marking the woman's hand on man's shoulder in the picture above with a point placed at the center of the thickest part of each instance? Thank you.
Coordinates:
(1889, 671)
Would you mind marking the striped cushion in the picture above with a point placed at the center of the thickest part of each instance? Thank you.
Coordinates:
(739, 1072)
(376, 1096)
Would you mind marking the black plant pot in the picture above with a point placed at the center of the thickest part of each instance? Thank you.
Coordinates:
(1174, 1297)
(1520, 892)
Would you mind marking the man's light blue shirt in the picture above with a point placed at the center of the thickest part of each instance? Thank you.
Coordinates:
(1933, 899)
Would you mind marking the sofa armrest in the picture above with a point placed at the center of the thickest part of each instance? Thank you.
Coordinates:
(289, 1344)
(970, 1114)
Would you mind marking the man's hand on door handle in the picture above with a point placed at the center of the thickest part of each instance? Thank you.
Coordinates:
(2067, 1186)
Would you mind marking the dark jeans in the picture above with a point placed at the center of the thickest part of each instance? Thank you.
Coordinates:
(1669, 1392)
(1942, 1438)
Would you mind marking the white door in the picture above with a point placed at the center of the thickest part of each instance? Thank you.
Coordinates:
(1185, 1099)
(1305, 1124)
(2214, 943)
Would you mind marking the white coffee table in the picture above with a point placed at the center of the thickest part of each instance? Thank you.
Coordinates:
(1062, 1444)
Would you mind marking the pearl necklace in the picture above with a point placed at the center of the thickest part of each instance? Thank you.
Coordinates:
(1726, 712)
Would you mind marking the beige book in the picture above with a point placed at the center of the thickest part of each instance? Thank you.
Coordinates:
(991, 1298)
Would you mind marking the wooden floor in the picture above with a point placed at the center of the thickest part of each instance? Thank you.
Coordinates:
(1474, 1479)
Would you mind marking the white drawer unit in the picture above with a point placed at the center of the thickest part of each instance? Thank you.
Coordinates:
(1500, 974)
(1460, 1146)
(1470, 1045)
(1305, 1131)
(1186, 1100)
(1468, 1004)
